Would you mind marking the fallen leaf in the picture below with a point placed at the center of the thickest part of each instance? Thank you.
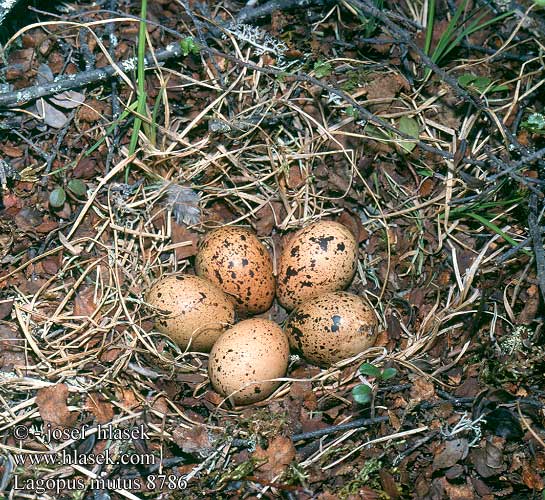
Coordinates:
(51, 115)
(50, 265)
(269, 216)
(11, 151)
(68, 100)
(488, 461)
(531, 478)
(458, 491)
(529, 312)
(101, 408)
(353, 223)
(422, 390)
(388, 484)
(52, 406)
(194, 440)
(452, 451)
(28, 219)
(12, 348)
(47, 226)
(181, 234)
(127, 398)
(85, 169)
(84, 304)
(6, 306)
(296, 178)
(111, 354)
(279, 455)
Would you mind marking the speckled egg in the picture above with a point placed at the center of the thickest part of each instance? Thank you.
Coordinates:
(319, 258)
(332, 327)
(236, 261)
(245, 359)
(192, 311)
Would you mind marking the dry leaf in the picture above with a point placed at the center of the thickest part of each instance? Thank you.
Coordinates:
(181, 234)
(12, 352)
(127, 398)
(452, 451)
(531, 478)
(193, 440)
(100, 408)
(279, 455)
(84, 304)
(52, 406)
(422, 390)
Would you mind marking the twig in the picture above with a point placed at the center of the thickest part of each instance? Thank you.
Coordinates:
(333, 429)
(501, 56)
(250, 13)
(85, 51)
(82, 79)
(116, 109)
(512, 251)
(60, 137)
(355, 424)
(536, 234)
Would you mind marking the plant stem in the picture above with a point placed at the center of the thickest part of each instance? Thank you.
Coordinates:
(141, 109)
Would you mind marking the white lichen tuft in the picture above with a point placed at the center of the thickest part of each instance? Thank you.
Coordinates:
(262, 41)
(514, 342)
(129, 64)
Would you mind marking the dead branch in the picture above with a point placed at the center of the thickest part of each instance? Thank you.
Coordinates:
(250, 13)
(70, 82)
(536, 234)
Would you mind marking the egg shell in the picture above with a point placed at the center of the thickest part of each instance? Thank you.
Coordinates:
(319, 258)
(245, 359)
(235, 260)
(190, 308)
(332, 327)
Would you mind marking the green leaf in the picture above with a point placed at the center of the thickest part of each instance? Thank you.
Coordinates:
(57, 197)
(362, 393)
(322, 68)
(481, 83)
(465, 80)
(370, 370)
(351, 111)
(388, 373)
(541, 3)
(77, 187)
(499, 88)
(410, 127)
(189, 46)
(537, 120)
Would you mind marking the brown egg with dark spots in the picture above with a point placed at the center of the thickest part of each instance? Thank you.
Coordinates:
(317, 259)
(236, 261)
(332, 327)
(190, 310)
(246, 358)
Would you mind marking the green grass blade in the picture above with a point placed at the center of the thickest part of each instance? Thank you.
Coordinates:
(475, 26)
(141, 109)
(497, 230)
(429, 26)
(111, 128)
(447, 35)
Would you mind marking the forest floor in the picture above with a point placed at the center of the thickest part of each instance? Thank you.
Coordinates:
(418, 125)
